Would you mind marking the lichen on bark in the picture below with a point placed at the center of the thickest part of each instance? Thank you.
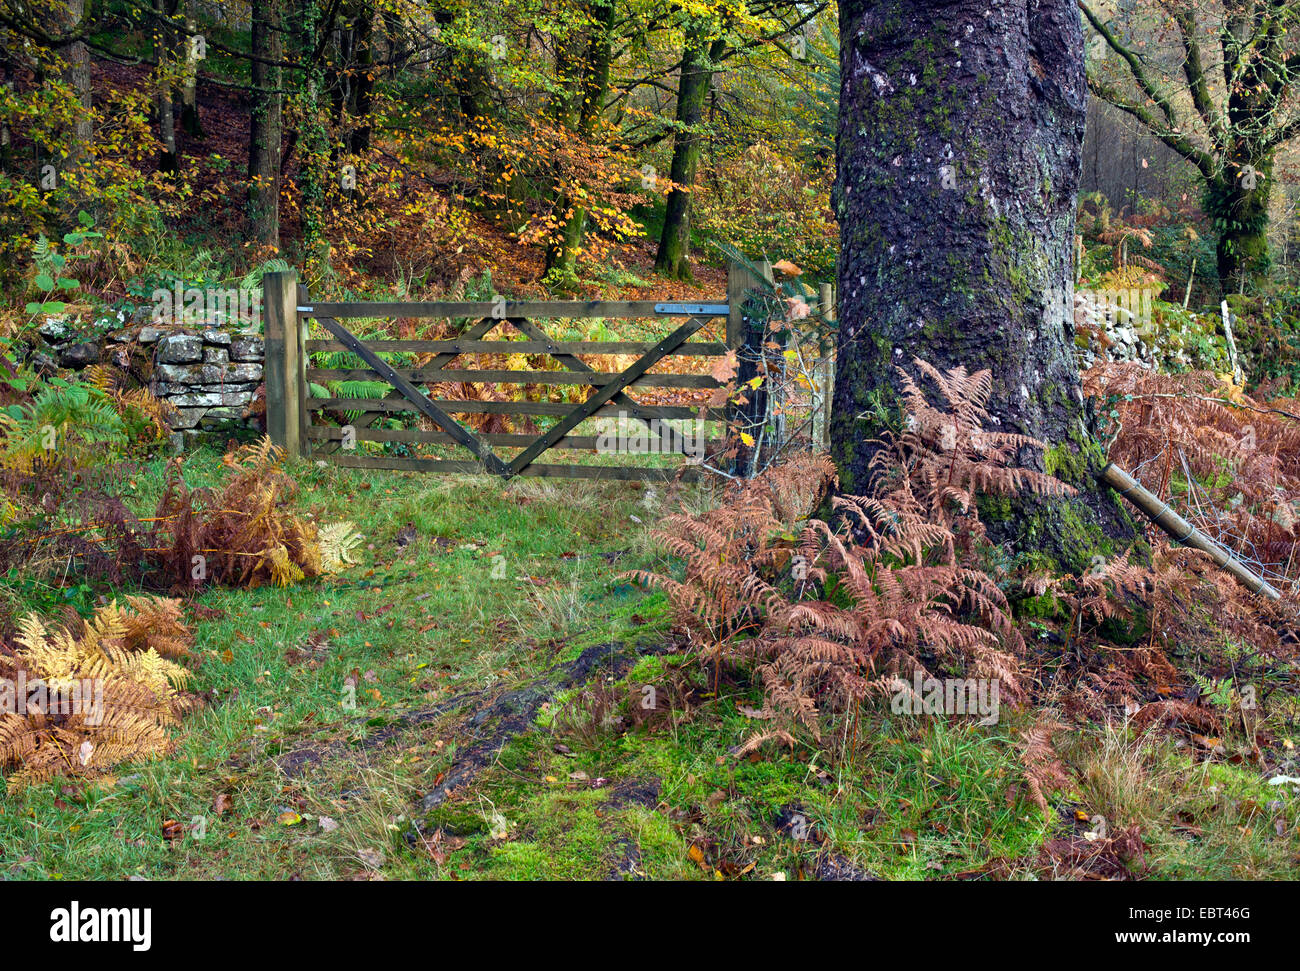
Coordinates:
(959, 150)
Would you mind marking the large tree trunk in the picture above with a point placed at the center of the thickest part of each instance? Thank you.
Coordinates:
(698, 57)
(593, 88)
(265, 129)
(960, 148)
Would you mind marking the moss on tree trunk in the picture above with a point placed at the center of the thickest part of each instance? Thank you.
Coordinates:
(699, 54)
(1238, 202)
(959, 149)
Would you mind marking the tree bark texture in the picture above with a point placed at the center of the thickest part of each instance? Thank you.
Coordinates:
(960, 150)
(265, 129)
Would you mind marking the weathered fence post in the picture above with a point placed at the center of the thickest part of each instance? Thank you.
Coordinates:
(285, 370)
(739, 279)
(746, 334)
(824, 373)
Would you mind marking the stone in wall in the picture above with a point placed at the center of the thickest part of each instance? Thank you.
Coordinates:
(247, 349)
(179, 349)
(209, 376)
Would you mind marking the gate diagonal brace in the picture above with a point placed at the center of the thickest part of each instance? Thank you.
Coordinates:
(422, 404)
(604, 394)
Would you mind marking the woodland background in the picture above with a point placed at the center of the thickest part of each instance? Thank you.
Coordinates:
(381, 674)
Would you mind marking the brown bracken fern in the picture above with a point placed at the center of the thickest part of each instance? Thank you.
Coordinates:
(83, 697)
(831, 613)
(243, 533)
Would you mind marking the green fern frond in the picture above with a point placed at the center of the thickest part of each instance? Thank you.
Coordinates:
(78, 423)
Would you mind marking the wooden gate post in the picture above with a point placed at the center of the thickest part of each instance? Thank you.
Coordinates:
(824, 372)
(746, 336)
(285, 370)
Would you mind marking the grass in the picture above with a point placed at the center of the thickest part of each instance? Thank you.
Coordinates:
(301, 763)
(1204, 821)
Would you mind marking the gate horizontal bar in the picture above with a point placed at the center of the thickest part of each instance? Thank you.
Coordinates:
(587, 443)
(686, 474)
(468, 407)
(441, 375)
(504, 309)
(696, 349)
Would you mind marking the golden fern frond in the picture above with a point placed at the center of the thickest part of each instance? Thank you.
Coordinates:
(100, 376)
(337, 542)
(131, 697)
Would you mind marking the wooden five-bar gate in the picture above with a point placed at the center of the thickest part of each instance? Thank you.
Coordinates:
(290, 407)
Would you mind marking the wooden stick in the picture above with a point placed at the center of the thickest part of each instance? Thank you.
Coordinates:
(1181, 530)
(1232, 345)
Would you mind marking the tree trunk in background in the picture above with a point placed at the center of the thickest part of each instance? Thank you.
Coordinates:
(1239, 203)
(191, 124)
(164, 52)
(363, 79)
(1238, 197)
(76, 74)
(698, 57)
(1237, 73)
(265, 128)
(592, 87)
(959, 149)
(471, 79)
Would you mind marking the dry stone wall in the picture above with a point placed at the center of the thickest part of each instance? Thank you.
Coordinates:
(209, 375)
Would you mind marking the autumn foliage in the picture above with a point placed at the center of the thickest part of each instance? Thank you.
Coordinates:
(87, 694)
